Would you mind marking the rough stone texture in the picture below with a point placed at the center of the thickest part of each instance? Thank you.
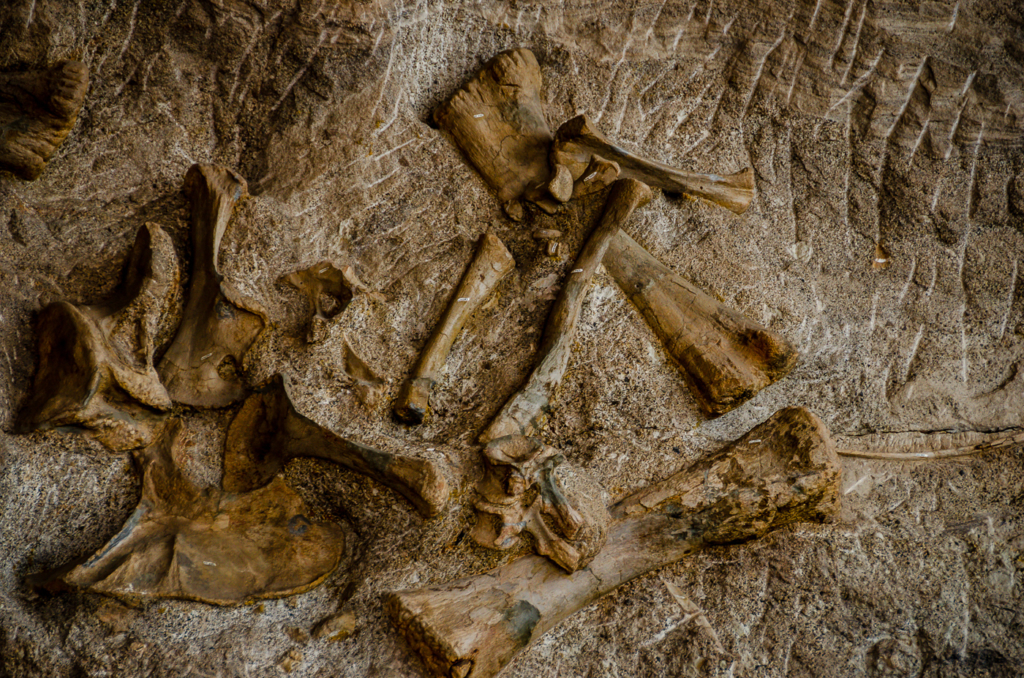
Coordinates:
(864, 121)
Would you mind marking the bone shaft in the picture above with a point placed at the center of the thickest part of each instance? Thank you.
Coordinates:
(490, 264)
(522, 410)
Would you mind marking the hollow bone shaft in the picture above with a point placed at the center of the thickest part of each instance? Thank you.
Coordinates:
(490, 264)
(725, 357)
(783, 471)
(521, 412)
(579, 139)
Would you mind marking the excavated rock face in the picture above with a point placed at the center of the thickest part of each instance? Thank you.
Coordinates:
(884, 243)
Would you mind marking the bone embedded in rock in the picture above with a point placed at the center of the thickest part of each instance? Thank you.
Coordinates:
(498, 121)
(598, 175)
(579, 139)
(490, 264)
(328, 292)
(560, 187)
(782, 472)
(96, 362)
(367, 385)
(267, 432)
(521, 492)
(206, 545)
(202, 366)
(38, 110)
(725, 357)
(521, 414)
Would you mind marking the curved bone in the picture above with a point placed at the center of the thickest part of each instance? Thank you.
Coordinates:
(497, 119)
(490, 264)
(38, 110)
(726, 357)
(219, 325)
(267, 432)
(521, 414)
(579, 139)
(783, 471)
(96, 362)
(206, 545)
(329, 292)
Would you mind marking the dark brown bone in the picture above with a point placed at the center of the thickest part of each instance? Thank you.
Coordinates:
(497, 119)
(205, 544)
(38, 110)
(783, 471)
(579, 139)
(96, 362)
(725, 357)
(267, 432)
(201, 367)
(491, 263)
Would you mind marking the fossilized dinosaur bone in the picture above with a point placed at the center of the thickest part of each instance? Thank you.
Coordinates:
(490, 264)
(38, 110)
(579, 139)
(201, 367)
(726, 357)
(329, 292)
(267, 432)
(205, 544)
(521, 413)
(497, 119)
(96, 362)
(783, 471)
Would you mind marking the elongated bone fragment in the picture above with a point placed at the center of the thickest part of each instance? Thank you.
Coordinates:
(579, 139)
(521, 414)
(497, 119)
(725, 357)
(186, 542)
(328, 292)
(782, 472)
(201, 367)
(96, 362)
(267, 432)
(490, 264)
(38, 110)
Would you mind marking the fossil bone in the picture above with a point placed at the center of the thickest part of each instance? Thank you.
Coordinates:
(38, 110)
(205, 544)
(490, 264)
(201, 367)
(781, 472)
(267, 432)
(598, 175)
(579, 139)
(96, 362)
(497, 119)
(725, 357)
(329, 292)
(521, 413)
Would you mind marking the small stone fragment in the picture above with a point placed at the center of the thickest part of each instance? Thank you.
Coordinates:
(336, 627)
(881, 258)
(560, 185)
(547, 234)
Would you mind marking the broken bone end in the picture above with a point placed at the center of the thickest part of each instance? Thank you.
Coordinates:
(413, 401)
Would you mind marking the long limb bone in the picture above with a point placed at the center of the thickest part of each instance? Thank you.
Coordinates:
(783, 471)
(725, 357)
(96, 362)
(491, 263)
(267, 432)
(206, 545)
(579, 140)
(201, 367)
(38, 110)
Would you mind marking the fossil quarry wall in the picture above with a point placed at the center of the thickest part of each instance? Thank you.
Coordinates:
(885, 242)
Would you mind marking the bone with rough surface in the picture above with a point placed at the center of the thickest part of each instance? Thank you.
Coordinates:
(782, 472)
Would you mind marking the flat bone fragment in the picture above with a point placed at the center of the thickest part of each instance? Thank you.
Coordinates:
(38, 110)
(367, 385)
(522, 412)
(204, 544)
(201, 367)
(598, 175)
(329, 293)
(725, 357)
(579, 139)
(497, 119)
(268, 432)
(782, 472)
(96, 362)
(491, 263)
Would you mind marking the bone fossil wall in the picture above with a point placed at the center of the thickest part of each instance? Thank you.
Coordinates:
(875, 131)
